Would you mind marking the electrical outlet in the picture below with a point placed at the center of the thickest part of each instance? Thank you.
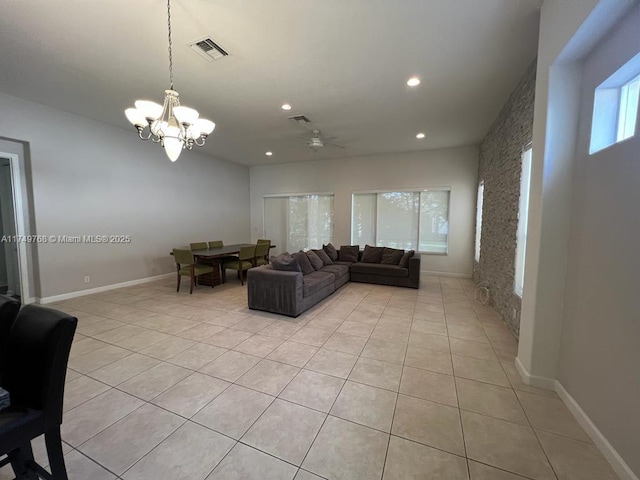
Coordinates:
(514, 313)
(87, 279)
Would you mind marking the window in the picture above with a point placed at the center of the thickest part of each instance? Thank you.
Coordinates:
(298, 222)
(523, 216)
(411, 220)
(615, 107)
(628, 109)
(479, 203)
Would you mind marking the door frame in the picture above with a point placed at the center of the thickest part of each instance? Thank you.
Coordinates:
(20, 215)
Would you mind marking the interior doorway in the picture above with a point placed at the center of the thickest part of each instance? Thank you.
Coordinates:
(11, 235)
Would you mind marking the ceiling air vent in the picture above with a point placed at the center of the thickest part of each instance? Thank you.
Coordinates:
(209, 49)
(301, 119)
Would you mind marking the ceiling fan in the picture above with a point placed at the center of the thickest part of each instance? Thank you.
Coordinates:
(318, 141)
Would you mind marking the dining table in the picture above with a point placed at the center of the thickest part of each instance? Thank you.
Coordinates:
(214, 256)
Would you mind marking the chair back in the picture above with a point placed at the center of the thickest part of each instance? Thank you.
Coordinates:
(216, 244)
(38, 352)
(247, 253)
(198, 246)
(183, 256)
(8, 311)
(263, 240)
(262, 249)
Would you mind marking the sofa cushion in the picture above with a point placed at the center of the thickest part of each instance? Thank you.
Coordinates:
(315, 282)
(349, 253)
(285, 262)
(337, 270)
(316, 263)
(323, 256)
(372, 254)
(303, 261)
(331, 251)
(392, 256)
(379, 269)
(404, 261)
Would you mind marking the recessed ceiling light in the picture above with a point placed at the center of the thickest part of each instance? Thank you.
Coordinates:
(420, 135)
(286, 106)
(413, 81)
(268, 154)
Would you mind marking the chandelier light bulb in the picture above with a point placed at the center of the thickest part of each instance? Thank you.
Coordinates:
(413, 82)
(186, 115)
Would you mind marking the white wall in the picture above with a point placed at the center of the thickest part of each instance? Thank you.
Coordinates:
(579, 331)
(454, 167)
(600, 344)
(89, 179)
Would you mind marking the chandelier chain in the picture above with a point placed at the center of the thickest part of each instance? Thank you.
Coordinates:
(170, 55)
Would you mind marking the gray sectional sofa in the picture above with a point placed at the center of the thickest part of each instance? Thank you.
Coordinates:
(292, 284)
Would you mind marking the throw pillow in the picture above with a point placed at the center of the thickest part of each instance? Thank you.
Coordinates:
(372, 254)
(349, 253)
(285, 262)
(331, 251)
(392, 256)
(315, 260)
(303, 261)
(404, 261)
(323, 256)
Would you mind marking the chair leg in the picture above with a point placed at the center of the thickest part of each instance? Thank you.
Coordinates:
(179, 277)
(213, 278)
(193, 280)
(54, 452)
(241, 272)
(20, 458)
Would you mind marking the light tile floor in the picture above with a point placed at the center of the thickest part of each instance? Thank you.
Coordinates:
(374, 382)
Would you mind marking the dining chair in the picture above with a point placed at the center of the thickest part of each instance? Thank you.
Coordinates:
(38, 353)
(9, 307)
(187, 266)
(244, 262)
(198, 246)
(264, 240)
(216, 244)
(262, 254)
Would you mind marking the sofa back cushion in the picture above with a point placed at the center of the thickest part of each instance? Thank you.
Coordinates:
(404, 261)
(372, 254)
(349, 253)
(331, 251)
(303, 261)
(285, 262)
(392, 256)
(316, 263)
(323, 256)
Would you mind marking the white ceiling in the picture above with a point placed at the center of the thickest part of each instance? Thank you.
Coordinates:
(342, 63)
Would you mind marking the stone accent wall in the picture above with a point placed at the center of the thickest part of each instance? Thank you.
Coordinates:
(500, 169)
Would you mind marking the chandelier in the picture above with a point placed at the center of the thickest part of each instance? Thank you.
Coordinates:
(173, 126)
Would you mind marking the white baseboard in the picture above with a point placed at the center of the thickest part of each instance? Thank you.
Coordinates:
(534, 380)
(615, 460)
(105, 288)
(613, 457)
(445, 274)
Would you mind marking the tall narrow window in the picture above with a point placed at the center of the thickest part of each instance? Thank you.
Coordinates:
(523, 216)
(479, 203)
(298, 222)
(410, 220)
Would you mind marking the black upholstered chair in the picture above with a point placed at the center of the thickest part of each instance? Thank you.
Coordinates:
(8, 311)
(37, 355)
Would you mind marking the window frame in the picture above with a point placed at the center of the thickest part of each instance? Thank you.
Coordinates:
(406, 190)
(478, 233)
(615, 113)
